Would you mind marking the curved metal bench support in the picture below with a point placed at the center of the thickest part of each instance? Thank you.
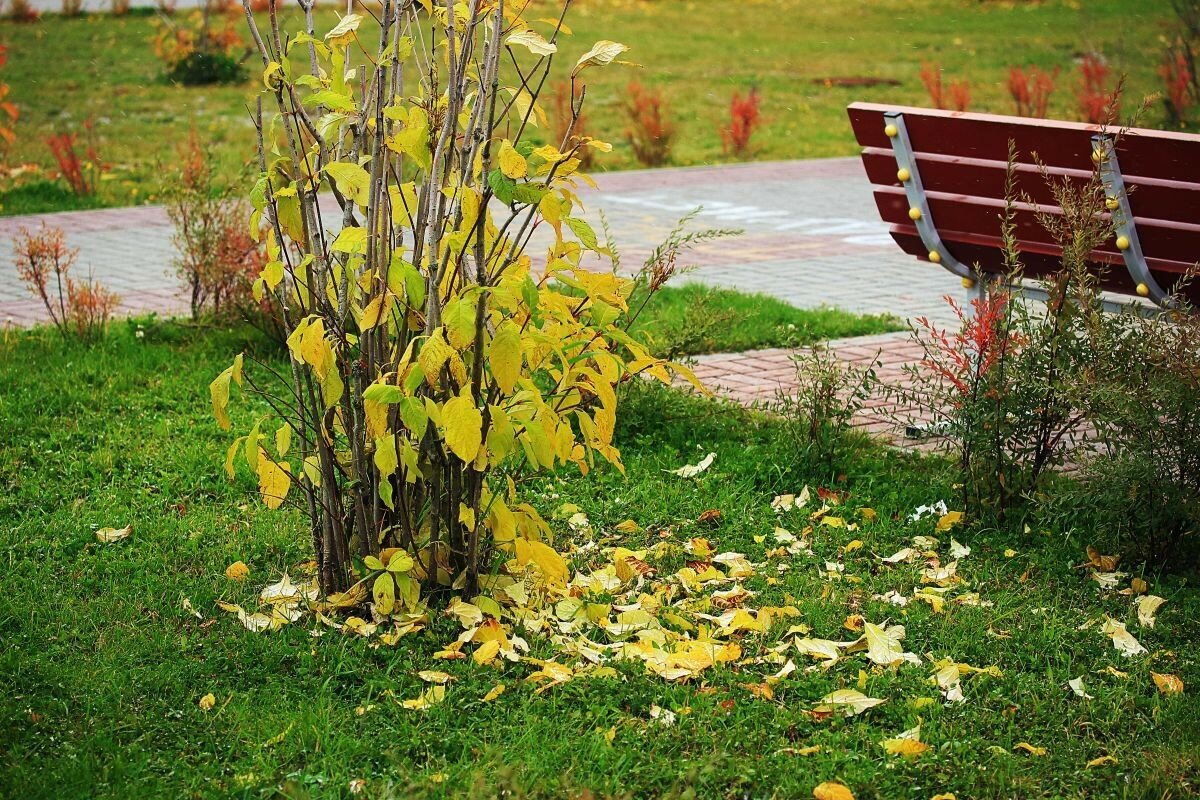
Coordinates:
(918, 204)
(1105, 155)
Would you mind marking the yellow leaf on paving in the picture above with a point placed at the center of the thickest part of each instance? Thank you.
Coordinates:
(111, 535)
(1030, 749)
(1101, 761)
(237, 571)
(1167, 684)
(207, 702)
(494, 692)
(832, 790)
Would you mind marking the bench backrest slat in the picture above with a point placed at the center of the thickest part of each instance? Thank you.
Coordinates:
(962, 161)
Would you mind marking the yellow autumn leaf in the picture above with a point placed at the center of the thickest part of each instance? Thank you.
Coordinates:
(832, 790)
(237, 571)
(907, 744)
(1101, 761)
(351, 180)
(273, 481)
(463, 423)
(545, 557)
(494, 692)
(486, 653)
(435, 676)
(533, 41)
(1032, 750)
(949, 520)
(602, 53)
(512, 163)
(111, 535)
(505, 356)
(1167, 684)
(208, 702)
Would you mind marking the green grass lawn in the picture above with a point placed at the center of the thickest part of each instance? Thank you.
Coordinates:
(104, 667)
(694, 319)
(699, 52)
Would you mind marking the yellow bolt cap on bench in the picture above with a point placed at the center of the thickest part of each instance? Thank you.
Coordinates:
(891, 131)
(1097, 156)
(1112, 204)
(968, 283)
(914, 214)
(1143, 290)
(1122, 242)
(935, 256)
(903, 175)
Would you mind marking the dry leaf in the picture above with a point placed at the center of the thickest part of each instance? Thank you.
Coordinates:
(1077, 687)
(1030, 749)
(832, 790)
(494, 692)
(1147, 607)
(111, 535)
(907, 744)
(1101, 563)
(1122, 639)
(850, 701)
(692, 470)
(237, 571)
(1101, 761)
(208, 702)
(1167, 684)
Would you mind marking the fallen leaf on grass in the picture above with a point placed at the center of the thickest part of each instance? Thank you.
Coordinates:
(112, 535)
(494, 692)
(237, 571)
(1077, 687)
(428, 698)
(949, 520)
(1122, 639)
(1167, 684)
(692, 470)
(832, 790)
(944, 796)
(1101, 563)
(1147, 607)
(850, 701)
(208, 702)
(486, 653)
(798, 751)
(191, 609)
(907, 744)
(435, 676)
(1030, 749)
(1101, 761)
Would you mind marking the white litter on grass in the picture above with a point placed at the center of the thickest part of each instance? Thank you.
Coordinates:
(938, 509)
(692, 470)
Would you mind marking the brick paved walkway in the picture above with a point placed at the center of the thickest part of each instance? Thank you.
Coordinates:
(811, 237)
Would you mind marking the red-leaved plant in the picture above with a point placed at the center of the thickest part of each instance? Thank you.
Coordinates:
(1096, 100)
(44, 264)
(744, 118)
(1031, 90)
(79, 173)
(650, 128)
(8, 112)
(1176, 78)
(957, 95)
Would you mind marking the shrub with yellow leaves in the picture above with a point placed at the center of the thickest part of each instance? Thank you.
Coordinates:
(434, 360)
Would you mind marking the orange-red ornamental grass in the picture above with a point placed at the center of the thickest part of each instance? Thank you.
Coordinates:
(957, 95)
(79, 173)
(1097, 102)
(1177, 82)
(44, 264)
(8, 110)
(968, 353)
(650, 128)
(1031, 90)
(744, 118)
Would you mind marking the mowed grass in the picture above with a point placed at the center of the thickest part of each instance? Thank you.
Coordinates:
(103, 667)
(694, 319)
(698, 53)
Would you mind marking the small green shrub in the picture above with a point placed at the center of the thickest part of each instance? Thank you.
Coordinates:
(204, 69)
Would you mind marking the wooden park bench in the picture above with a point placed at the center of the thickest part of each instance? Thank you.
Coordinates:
(939, 180)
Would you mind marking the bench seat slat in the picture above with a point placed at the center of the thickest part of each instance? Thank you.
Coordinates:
(1167, 240)
(1151, 198)
(1041, 260)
